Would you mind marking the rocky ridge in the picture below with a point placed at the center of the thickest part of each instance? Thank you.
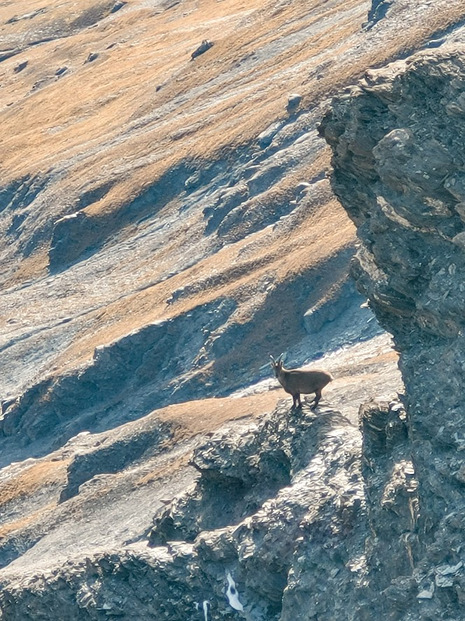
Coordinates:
(276, 505)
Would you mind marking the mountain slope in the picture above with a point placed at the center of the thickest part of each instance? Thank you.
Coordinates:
(167, 224)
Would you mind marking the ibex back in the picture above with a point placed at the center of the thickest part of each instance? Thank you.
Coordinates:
(301, 381)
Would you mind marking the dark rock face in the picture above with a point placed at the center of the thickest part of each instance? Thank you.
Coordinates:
(113, 455)
(203, 47)
(77, 233)
(398, 145)
(392, 505)
(378, 10)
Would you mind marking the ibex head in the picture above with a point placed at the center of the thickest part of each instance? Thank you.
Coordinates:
(277, 365)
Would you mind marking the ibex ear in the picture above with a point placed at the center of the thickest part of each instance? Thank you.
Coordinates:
(273, 361)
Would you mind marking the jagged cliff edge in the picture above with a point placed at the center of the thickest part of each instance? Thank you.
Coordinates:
(398, 157)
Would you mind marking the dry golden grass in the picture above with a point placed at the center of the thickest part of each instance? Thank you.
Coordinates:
(32, 479)
(148, 50)
(141, 49)
(120, 116)
(30, 518)
(207, 415)
(360, 372)
(391, 356)
(166, 470)
(313, 241)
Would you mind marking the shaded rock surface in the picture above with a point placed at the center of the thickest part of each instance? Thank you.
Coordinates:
(398, 155)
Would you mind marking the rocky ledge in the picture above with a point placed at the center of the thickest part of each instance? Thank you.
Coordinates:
(274, 527)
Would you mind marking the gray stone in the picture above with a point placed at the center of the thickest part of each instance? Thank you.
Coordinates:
(398, 172)
(293, 102)
(203, 47)
(21, 66)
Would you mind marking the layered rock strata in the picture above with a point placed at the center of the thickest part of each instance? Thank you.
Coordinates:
(398, 143)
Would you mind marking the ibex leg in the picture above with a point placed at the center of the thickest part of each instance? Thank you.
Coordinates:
(317, 398)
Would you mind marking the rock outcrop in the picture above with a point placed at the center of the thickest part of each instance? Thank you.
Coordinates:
(398, 155)
(282, 522)
(278, 508)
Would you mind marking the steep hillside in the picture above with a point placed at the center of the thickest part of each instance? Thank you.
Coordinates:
(168, 222)
(140, 185)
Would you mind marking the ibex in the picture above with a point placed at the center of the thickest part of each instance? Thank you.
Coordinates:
(297, 381)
